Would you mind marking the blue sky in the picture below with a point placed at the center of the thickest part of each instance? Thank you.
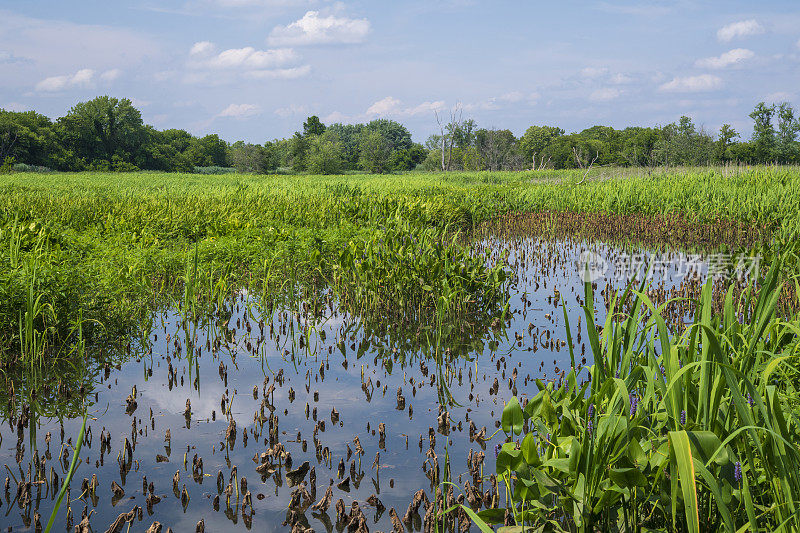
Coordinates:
(254, 69)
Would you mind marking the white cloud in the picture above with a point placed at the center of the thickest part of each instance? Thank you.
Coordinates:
(692, 84)
(247, 58)
(316, 29)
(593, 72)
(725, 60)
(110, 75)
(604, 95)
(393, 106)
(240, 111)
(81, 78)
(426, 107)
(280, 74)
(260, 3)
(386, 106)
(254, 64)
(202, 48)
(621, 79)
(336, 116)
(291, 110)
(512, 97)
(743, 28)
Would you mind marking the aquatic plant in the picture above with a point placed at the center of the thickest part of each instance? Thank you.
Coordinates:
(694, 432)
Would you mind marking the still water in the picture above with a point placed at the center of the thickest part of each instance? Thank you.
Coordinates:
(215, 419)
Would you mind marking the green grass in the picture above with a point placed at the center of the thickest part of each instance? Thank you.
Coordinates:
(114, 245)
(692, 432)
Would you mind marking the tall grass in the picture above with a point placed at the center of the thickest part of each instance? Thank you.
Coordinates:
(690, 432)
(115, 245)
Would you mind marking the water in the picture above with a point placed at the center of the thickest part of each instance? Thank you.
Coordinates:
(224, 366)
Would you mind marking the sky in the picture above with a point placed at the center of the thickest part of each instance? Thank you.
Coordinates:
(255, 69)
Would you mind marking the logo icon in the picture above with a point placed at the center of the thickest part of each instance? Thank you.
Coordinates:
(591, 266)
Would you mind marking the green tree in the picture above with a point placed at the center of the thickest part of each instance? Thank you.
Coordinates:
(104, 127)
(298, 152)
(788, 127)
(407, 159)
(253, 158)
(30, 138)
(724, 141)
(348, 138)
(763, 132)
(537, 139)
(497, 150)
(313, 126)
(463, 133)
(374, 152)
(395, 134)
(325, 155)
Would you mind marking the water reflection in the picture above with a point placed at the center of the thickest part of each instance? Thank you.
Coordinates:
(265, 415)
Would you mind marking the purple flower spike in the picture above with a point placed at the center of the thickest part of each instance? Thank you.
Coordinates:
(634, 404)
(737, 472)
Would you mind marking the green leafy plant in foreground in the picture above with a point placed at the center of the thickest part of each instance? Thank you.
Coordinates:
(692, 432)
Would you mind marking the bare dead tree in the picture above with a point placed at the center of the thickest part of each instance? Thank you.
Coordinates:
(493, 152)
(7, 142)
(448, 131)
(542, 163)
(586, 168)
(442, 135)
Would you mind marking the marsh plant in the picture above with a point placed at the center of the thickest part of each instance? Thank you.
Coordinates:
(690, 432)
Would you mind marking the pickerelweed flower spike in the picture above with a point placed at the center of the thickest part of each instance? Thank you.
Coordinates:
(634, 404)
(737, 472)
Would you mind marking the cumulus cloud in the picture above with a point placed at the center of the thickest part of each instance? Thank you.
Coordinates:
(425, 107)
(727, 59)
(743, 28)
(385, 106)
(620, 79)
(240, 111)
(82, 78)
(393, 106)
(692, 84)
(202, 48)
(251, 63)
(593, 72)
(203, 56)
(336, 116)
(604, 95)
(291, 110)
(280, 73)
(110, 75)
(314, 28)
(512, 97)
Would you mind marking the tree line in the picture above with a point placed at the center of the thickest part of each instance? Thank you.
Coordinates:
(109, 134)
